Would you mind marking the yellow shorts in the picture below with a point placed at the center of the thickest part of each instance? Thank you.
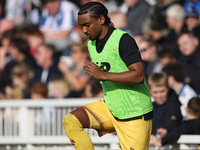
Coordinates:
(132, 135)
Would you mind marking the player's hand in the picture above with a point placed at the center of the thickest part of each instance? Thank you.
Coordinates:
(93, 70)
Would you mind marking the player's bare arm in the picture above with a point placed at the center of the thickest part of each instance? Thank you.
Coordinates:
(134, 75)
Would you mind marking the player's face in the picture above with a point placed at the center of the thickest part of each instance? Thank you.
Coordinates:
(159, 93)
(91, 26)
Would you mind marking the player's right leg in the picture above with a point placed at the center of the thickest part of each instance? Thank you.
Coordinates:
(95, 115)
(73, 124)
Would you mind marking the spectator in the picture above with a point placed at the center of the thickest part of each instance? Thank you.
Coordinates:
(176, 82)
(15, 11)
(192, 19)
(120, 21)
(167, 113)
(57, 23)
(133, 9)
(32, 35)
(35, 11)
(75, 73)
(191, 126)
(148, 50)
(5, 25)
(165, 56)
(59, 88)
(155, 25)
(38, 91)
(19, 53)
(21, 77)
(13, 93)
(175, 20)
(47, 64)
(190, 59)
(5, 42)
(35, 38)
(196, 3)
(93, 89)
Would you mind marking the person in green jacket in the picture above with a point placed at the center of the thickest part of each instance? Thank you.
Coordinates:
(117, 64)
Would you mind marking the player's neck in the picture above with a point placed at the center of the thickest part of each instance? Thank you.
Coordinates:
(104, 32)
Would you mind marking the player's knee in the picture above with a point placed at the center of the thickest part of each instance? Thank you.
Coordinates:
(71, 123)
(66, 121)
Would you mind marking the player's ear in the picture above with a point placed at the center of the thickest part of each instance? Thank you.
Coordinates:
(102, 19)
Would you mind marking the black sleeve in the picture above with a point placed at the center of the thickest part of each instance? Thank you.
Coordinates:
(128, 50)
(175, 134)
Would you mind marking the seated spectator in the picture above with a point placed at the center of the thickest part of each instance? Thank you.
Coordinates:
(133, 9)
(192, 19)
(148, 50)
(35, 38)
(176, 82)
(93, 89)
(5, 25)
(21, 77)
(15, 11)
(13, 93)
(196, 3)
(165, 56)
(175, 20)
(38, 91)
(75, 73)
(47, 64)
(5, 42)
(32, 35)
(155, 25)
(59, 88)
(191, 126)
(19, 53)
(167, 113)
(120, 21)
(190, 59)
(57, 23)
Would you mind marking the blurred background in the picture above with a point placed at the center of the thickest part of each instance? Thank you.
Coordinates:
(42, 53)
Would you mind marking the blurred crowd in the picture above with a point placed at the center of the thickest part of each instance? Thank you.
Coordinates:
(43, 49)
(43, 46)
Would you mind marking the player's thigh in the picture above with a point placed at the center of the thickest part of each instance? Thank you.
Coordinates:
(134, 134)
(100, 117)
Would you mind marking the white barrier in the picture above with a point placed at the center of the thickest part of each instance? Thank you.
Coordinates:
(34, 125)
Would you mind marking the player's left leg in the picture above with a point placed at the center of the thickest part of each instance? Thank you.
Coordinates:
(135, 134)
